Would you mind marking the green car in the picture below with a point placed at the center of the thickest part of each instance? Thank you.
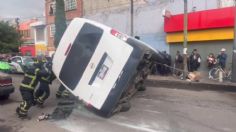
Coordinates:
(5, 67)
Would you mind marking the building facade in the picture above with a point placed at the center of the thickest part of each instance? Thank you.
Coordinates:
(40, 37)
(34, 38)
(148, 16)
(26, 31)
(73, 8)
(149, 20)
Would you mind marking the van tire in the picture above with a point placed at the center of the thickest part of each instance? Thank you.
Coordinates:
(125, 107)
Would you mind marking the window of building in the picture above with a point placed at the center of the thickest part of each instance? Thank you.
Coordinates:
(52, 8)
(52, 30)
(27, 33)
(226, 3)
(40, 34)
(70, 5)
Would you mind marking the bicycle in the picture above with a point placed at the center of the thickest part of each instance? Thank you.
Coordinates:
(214, 73)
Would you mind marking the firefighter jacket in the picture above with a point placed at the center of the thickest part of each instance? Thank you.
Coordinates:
(30, 80)
(47, 76)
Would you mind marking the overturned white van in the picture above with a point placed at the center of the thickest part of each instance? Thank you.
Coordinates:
(102, 66)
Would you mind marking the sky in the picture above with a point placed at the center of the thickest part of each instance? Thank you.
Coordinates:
(24, 9)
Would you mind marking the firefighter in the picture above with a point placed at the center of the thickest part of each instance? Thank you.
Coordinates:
(46, 78)
(62, 92)
(27, 87)
(40, 60)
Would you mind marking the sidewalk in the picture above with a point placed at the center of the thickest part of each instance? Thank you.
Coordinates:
(203, 84)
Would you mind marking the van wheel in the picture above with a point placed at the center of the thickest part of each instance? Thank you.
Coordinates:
(4, 97)
(125, 106)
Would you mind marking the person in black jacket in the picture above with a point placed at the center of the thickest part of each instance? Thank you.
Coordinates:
(211, 61)
(178, 63)
(222, 58)
(194, 60)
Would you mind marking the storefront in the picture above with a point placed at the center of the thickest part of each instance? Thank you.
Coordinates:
(208, 31)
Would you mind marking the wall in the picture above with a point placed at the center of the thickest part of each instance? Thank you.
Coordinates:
(226, 3)
(90, 6)
(148, 19)
(204, 48)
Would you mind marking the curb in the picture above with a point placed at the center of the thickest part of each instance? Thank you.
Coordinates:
(196, 86)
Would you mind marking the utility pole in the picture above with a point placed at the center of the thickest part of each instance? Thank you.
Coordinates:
(185, 37)
(233, 79)
(132, 17)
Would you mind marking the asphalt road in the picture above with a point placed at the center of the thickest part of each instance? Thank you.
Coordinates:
(155, 110)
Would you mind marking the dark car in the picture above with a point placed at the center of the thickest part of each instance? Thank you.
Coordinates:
(6, 87)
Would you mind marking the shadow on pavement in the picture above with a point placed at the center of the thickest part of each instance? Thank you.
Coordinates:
(6, 129)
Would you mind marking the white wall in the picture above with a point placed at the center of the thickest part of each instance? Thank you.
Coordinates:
(226, 3)
(148, 20)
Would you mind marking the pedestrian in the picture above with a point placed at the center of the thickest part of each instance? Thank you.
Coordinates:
(222, 58)
(164, 68)
(211, 61)
(168, 60)
(137, 37)
(27, 87)
(178, 63)
(194, 60)
(46, 78)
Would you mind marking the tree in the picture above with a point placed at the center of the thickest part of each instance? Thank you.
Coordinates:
(10, 39)
(60, 21)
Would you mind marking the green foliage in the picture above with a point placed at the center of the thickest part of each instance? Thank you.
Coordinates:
(60, 21)
(10, 39)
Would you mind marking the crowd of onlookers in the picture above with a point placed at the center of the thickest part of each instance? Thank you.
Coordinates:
(194, 61)
(5, 57)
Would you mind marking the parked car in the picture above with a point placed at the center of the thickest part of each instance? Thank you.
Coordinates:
(6, 86)
(5, 67)
(19, 63)
(102, 66)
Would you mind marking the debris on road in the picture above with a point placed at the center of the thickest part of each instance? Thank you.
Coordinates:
(44, 117)
(194, 76)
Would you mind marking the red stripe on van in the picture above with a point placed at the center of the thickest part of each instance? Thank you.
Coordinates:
(68, 49)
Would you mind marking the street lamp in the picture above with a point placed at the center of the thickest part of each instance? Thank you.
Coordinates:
(185, 38)
(132, 17)
(233, 79)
